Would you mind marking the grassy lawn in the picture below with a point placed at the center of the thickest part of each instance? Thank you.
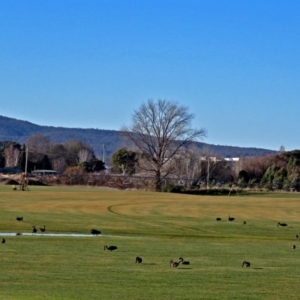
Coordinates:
(157, 227)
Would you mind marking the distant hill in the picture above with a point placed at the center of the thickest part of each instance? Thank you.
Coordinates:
(107, 140)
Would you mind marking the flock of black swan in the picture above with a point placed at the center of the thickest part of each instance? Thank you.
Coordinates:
(247, 263)
(138, 259)
(231, 219)
(181, 261)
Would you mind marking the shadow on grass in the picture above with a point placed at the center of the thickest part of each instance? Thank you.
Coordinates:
(222, 192)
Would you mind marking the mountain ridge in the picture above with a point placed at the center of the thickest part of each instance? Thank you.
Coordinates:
(104, 142)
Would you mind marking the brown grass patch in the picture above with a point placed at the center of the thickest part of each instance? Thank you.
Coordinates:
(137, 203)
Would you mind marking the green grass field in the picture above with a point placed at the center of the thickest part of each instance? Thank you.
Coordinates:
(157, 227)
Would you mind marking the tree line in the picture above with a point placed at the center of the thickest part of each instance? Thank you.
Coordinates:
(163, 146)
(38, 152)
(191, 169)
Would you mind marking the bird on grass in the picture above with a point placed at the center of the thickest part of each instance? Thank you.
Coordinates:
(43, 229)
(218, 219)
(246, 264)
(138, 260)
(281, 224)
(174, 264)
(110, 248)
(230, 218)
(19, 218)
(3, 241)
(183, 262)
(95, 232)
(34, 230)
(293, 247)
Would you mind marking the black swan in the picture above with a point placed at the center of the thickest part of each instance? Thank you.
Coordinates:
(174, 264)
(230, 219)
(95, 232)
(110, 248)
(43, 229)
(246, 264)
(138, 260)
(281, 224)
(34, 230)
(183, 262)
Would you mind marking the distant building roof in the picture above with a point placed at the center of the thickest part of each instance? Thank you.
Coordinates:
(232, 158)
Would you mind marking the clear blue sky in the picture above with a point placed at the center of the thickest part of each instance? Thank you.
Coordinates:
(90, 64)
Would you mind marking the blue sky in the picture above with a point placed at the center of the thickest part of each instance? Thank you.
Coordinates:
(90, 64)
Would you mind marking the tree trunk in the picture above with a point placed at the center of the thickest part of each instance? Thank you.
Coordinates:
(158, 183)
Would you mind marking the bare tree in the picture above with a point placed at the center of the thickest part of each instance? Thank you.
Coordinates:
(84, 155)
(39, 145)
(58, 157)
(159, 131)
(74, 151)
(202, 165)
(186, 165)
(59, 164)
(257, 166)
(12, 154)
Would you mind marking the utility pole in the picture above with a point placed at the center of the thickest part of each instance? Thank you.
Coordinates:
(26, 159)
(103, 153)
(207, 180)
